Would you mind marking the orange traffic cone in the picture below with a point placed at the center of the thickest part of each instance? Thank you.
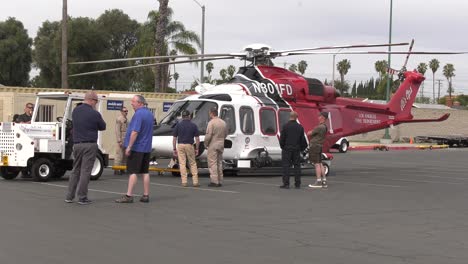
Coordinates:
(411, 140)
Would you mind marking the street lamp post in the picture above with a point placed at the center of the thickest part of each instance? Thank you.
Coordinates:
(387, 96)
(333, 72)
(202, 64)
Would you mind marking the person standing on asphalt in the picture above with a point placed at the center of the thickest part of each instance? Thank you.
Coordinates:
(183, 134)
(86, 124)
(292, 142)
(121, 125)
(317, 137)
(26, 117)
(216, 132)
(138, 141)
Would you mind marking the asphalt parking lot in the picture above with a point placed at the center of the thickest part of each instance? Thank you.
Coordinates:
(380, 207)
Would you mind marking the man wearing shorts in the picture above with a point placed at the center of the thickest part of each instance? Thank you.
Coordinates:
(317, 137)
(138, 140)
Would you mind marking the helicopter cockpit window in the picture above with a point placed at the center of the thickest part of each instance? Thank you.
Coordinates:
(268, 121)
(228, 115)
(199, 112)
(247, 122)
(283, 117)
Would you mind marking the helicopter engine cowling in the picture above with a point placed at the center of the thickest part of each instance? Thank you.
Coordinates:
(330, 94)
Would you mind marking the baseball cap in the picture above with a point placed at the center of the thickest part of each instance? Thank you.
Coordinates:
(324, 114)
(185, 113)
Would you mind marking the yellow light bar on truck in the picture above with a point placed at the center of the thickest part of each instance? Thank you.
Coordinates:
(5, 160)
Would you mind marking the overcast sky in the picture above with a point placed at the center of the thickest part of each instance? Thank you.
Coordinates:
(232, 24)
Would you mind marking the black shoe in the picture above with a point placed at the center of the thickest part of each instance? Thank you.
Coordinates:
(212, 184)
(144, 199)
(85, 201)
(324, 184)
(297, 186)
(219, 185)
(284, 186)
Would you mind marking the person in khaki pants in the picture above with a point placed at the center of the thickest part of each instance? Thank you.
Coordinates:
(216, 132)
(121, 124)
(184, 134)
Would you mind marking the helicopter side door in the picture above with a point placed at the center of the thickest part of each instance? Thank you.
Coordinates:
(269, 132)
(228, 114)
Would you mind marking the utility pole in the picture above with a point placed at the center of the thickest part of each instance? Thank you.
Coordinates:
(386, 136)
(64, 46)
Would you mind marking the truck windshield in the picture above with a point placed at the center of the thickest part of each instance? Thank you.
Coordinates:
(199, 111)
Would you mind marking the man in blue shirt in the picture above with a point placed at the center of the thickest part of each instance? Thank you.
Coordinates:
(183, 134)
(138, 140)
(86, 124)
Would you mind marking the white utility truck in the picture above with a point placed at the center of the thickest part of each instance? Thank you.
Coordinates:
(43, 149)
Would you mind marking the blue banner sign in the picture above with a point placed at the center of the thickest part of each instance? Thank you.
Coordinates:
(166, 106)
(114, 104)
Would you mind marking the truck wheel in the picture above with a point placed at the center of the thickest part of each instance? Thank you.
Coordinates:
(98, 168)
(344, 146)
(8, 174)
(42, 170)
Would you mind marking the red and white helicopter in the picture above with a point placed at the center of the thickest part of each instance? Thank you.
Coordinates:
(256, 103)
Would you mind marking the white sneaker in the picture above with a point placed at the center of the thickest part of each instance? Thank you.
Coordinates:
(317, 184)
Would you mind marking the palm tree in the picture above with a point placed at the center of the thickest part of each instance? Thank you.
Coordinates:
(223, 74)
(422, 68)
(302, 66)
(209, 67)
(231, 70)
(293, 67)
(159, 43)
(381, 67)
(434, 65)
(176, 77)
(343, 66)
(176, 38)
(449, 73)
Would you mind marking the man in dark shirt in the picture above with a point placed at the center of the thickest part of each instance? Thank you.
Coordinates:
(183, 134)
(26, 117)
(292, 142)
(86, 124)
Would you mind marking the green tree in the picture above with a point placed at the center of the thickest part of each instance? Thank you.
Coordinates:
(302, 66)
(449, 73)
(85, 42)
(160, 45)
(231, 70)
(209, 68)
(15, 53)
(343, 67)
(223, 74)
(422, 68)
(381, 67)
(434, 65)
(176, 38)
(176, 77)
(293, 67)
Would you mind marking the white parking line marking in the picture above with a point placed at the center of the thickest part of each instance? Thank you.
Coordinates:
(181, 187)
(94, 190)
(359, 183)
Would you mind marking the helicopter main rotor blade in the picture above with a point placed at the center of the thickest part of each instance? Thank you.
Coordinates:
(287, 52)
(382, 52)
(148, 65)
(159, 57)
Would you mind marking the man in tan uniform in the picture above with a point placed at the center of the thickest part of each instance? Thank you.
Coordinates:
(121, 125)
(216, 132)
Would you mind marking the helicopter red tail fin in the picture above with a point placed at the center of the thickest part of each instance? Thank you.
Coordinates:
(402, 101)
